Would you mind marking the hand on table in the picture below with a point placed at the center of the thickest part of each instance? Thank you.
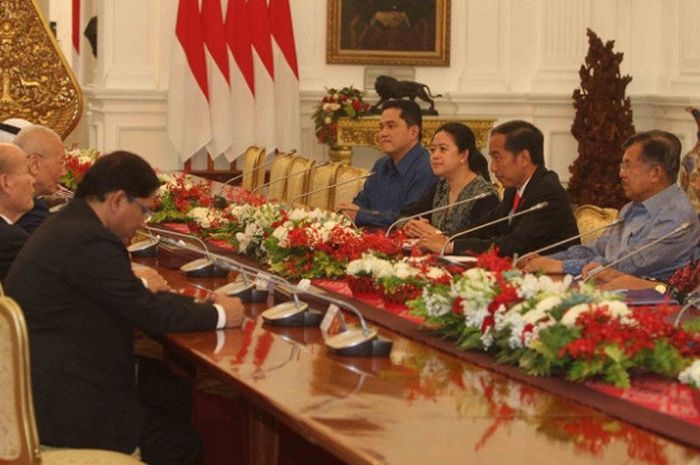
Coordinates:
(233, 308)
(154, 281)
(420, 228)
(541, 264)
(434, 243)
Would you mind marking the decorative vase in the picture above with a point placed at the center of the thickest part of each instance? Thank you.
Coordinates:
(341, 154)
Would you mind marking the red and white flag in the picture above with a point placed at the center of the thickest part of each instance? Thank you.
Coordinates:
(76, 28)
(242, 78)
(189, 126)
(264, 72)
(220, 109)
(286, 76)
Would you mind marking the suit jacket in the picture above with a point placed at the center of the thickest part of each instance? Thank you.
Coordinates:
(530, 231)
(74, 282)
(36, 216)
(12, 238)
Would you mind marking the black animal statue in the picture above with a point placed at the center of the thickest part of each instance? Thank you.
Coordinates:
(389, 88)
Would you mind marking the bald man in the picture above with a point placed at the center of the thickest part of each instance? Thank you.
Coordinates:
(47, 164)
(16, 192)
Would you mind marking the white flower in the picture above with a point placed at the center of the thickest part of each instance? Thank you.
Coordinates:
(616, 309)
(691, 375)
(435, 272)
(281, 233)
(251, 233)
(403, 270)
(436, 304)
(327, 120)
(205, 216)
(529, 285)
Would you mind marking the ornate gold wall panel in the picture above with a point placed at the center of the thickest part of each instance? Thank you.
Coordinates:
(363, 132)
(36, 82)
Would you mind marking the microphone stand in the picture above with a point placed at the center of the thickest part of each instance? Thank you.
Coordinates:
(535, 207)
(274, 181)
(348, 181)
(564, 241)
(436, 209)
(599, 269)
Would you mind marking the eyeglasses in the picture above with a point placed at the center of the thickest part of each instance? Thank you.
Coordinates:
(147, 212)
(629, 166)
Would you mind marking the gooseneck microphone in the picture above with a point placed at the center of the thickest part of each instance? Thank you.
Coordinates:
(599, 269)
(283, 178)
(436, 209)
(535, 207)
(568, 239)
(347, 181)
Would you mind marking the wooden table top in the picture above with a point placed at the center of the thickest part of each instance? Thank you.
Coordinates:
(419, 406)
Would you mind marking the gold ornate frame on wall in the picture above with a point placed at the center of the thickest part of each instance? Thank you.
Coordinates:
(36, 82)
(339, 29)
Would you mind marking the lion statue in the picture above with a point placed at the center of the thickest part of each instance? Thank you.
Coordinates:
(389, 88)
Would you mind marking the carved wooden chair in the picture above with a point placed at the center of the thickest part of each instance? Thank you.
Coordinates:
(279, 170)
(347, 192)
(322, 177)
(36, 82)
(253, 169)
(298, 182)
(590, 217)
(19, 440)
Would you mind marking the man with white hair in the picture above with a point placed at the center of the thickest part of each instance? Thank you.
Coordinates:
(16, 192)
(47, 164)
(10, 127)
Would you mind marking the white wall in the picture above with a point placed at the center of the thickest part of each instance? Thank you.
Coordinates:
(509, 59)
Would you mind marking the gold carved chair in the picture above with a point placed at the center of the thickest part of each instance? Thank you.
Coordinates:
(322, 177)
(36, 83)
(298, 182)
(590, 217)
(347, 192)
(253, 171)
(19, 440)
(279, 170)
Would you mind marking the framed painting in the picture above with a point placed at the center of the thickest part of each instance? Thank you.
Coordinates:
(389, 32)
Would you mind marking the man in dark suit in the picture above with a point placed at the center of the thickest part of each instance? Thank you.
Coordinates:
(47, 164)
(516, 149)
(81, 300)
(16, 191)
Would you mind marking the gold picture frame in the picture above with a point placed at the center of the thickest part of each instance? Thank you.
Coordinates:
(361, 32)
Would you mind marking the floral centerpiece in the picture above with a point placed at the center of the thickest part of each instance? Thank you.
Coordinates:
(78, 161)
(336, 103)
(547, 328)
(178, 194)
(408, 278)
(364, 272)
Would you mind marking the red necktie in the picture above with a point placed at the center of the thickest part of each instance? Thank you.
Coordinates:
(516, 201)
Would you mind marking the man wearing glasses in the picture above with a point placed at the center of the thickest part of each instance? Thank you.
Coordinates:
(47, 164)
(657, 206)
(82, 302)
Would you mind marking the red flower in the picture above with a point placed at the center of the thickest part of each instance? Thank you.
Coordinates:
(457, 308)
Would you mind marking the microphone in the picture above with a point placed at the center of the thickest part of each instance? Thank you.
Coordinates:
(691, 301)
(564, 241)
(296, 173)
(252, 170)
(508, 217)
(203, 267)
(600, 269)
(347, 181)
(436, 209)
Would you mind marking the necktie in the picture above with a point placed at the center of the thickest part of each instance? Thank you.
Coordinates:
(516, 201)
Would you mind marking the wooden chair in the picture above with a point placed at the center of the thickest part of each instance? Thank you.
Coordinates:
(279, 169)
(590, 217)
(253, 170)
(36, 82)
(19, 441)
(347, 192)
(322, 177)
(297, 184)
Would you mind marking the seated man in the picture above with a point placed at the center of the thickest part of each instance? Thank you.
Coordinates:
(82, 302)
(47, 164)
(517, 160)
(657, 206)
(402, 176)
(16, 191)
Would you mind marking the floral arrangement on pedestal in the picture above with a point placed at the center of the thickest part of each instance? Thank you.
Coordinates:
(548, 328)
(346, 101)
(78, 161)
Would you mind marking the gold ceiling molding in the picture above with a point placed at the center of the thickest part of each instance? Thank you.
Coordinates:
(36, 82)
